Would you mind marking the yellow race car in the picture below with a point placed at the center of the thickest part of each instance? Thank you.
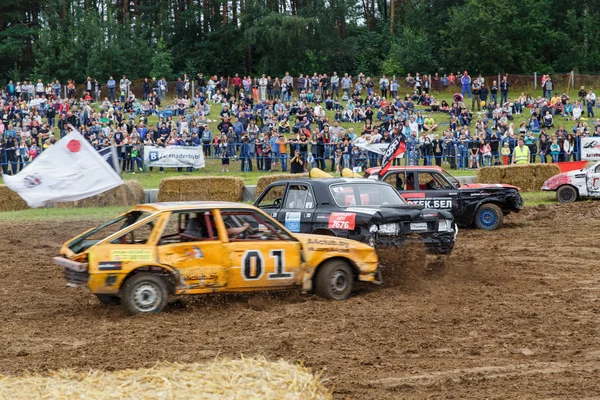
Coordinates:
(155, 250)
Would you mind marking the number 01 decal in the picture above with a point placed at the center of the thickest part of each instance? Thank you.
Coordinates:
(253, 265)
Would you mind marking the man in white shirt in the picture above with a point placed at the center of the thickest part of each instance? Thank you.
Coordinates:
(335, 84)
(262, 86)
(590, 101)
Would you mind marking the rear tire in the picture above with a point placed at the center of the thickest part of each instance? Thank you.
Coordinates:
(566, 194)
(488, 217)
(108, 299)
(334, 280)
(144, 294)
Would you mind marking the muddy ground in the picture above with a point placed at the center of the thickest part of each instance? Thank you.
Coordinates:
(513, 313)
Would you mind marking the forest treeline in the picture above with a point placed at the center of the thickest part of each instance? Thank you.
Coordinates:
(61, 39)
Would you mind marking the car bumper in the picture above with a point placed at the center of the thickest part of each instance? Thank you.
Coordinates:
(76, 273)
(435, 242)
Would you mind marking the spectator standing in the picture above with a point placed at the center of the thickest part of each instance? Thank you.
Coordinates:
(289, 81)
(384, 84)
(590, 101)
(237, 86)
(145, 89)
(162, 88)
(97, 90)
(56, 87)
(124, 86)
(262, 86)
(548, 87)
(494, 93)
(476, 101)
(179, 88)
(335, 84)
(521, 153)
(465, 81)
(110, 85)
(346, 84)
(504, 90)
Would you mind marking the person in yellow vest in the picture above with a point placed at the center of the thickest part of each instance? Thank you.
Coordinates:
(521, 153)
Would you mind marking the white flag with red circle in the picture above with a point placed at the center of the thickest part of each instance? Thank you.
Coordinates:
(69, 170)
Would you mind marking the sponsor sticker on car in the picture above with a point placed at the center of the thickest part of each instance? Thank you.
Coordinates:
(340, 220)
(418, 226)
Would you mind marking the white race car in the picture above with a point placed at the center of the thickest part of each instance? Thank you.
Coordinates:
(575, 185)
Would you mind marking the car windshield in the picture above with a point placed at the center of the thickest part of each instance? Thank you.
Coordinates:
(87, 240)
(451, 179)
(363, 194)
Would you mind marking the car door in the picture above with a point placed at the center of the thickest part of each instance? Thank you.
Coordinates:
(263, 256)
(190, 244)
(298, 208)
(403, 181)
(271, 200)
(593, 181)
(439, 193)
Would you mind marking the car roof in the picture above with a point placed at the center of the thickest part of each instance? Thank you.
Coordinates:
(329, 181)
(374, 170)
(191, 205)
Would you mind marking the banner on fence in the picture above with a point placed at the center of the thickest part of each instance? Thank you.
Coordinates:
(590, 148)
(173, 157)
(378, 148)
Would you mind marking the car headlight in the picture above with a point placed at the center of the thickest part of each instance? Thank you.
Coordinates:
(444, 225)
(389, 229)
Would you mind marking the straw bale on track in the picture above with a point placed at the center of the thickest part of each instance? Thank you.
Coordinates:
(246, 378)
(265, 181)
(10, 201)
(529, 178)
(201, 188)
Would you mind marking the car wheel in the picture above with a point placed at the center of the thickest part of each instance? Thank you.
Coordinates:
(488, 217)
(335, 280)
(144, 294)
(566, 194)
(109, 299)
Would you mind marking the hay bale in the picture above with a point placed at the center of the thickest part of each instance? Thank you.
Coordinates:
(490, 175)
(10, 201)
(134, 193)
(529, 178)
(265, 181)
(201, 188)
(246, 378)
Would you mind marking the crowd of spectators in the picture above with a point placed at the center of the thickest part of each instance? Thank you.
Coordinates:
(264, 122)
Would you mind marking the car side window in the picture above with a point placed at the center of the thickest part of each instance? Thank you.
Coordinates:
(189, 226)
(246, 225)
(299, 196)
(273, 198)
(397, 180)
(139, 235)
(431, 181)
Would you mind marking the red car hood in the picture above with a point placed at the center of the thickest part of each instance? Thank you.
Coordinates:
(487, 186)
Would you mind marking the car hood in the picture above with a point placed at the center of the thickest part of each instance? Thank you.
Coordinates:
(494, 186)
(562, 179)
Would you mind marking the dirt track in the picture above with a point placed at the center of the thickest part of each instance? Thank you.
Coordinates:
(511, 314)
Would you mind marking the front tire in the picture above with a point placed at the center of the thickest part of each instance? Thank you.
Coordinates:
(144, 294)
(488, 217)
(566, 194)
(334, 280)
(108, 299)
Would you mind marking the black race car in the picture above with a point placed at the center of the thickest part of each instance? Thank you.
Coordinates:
(482, 205)
(365, 210)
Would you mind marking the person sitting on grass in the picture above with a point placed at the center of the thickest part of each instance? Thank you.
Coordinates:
(429, 125)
